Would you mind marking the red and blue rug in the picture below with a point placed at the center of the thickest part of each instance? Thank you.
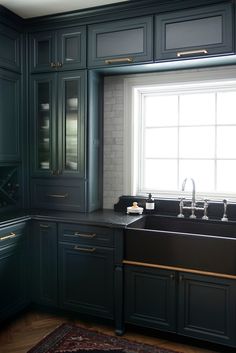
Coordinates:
(69, 338)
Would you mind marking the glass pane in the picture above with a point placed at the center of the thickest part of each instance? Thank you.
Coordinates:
(226, 142)
(197, 109)
(43, 52)
(201, 171)
(44, 113)
(71, 125)
(197, 142)
(161, 111)
(72, 48)
(160, 175)
(160, 143)
(226, 176)
(226, 108)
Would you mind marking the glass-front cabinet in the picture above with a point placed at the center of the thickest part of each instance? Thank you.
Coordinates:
(57, 116)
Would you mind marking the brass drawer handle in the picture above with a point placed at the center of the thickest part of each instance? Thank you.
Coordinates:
(191, 52)
(44, 226)
(11, 235)
(53, 65)
(58, 196)
(76, 247)
(85, 235)
(118, 60)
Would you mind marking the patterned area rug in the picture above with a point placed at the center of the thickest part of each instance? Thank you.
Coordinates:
(70, 338)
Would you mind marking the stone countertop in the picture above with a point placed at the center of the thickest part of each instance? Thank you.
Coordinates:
(105, 217)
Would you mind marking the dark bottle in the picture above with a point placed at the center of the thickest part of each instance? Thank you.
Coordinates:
(150, 203)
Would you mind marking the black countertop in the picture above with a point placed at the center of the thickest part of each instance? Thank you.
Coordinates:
(105, 217)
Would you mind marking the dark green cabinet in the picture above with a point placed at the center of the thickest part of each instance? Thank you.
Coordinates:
(120, 42)
(86, 272)
(196, 32)
(44, 263)
(10, 45)
(64, 49)
(195, 305)
(207, 308)
(150, 297)
(9, 116)
(14, 293)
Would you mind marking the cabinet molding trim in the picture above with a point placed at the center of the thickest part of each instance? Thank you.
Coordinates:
(180, 269)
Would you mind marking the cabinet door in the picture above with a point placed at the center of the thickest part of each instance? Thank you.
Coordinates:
(44, 261)
(71, 48)
(120, 42)
(10, 41)
(43, 51)
(71, 129)
(9, 116)
(13, 270)
(207, 308)
(150, 297)
(86, 279)
(194, 33)
(43, 124)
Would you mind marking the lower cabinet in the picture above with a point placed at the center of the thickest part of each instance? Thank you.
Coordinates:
(86, 279)
(14, 292)
(44, 263)
(189, 304)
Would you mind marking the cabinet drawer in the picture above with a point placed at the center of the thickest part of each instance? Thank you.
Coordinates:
(194, 33)
(83, 234)
(58, 195)
(11, 235)
(120, 42)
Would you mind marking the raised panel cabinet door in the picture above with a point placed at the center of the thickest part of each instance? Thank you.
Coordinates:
(150, 297)
(43, 51)
(43, 125)
(9, 116)
(71, 48)
(207, 308)
(44, 261)
(195, 32)
(120, 42)
(10, 41)
(71, 123)
(86, 279)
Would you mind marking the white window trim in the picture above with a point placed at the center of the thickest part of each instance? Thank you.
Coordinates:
(134, 85)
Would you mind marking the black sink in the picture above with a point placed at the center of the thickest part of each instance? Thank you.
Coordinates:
(192, 244)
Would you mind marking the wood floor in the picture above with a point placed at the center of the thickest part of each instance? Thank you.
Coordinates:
(25, 330)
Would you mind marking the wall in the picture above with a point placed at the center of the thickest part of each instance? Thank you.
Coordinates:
(113, 140)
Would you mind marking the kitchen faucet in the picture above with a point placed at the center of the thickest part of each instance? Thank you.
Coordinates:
(193, 190)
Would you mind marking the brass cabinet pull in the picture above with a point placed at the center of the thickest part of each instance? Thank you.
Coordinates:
(11, 235)
(118, 60)
(76, 247)
(85, 235)
(53, 65)
(191, 52)
(59, 64)
(172, 276)
(58, 196)
(43, 226)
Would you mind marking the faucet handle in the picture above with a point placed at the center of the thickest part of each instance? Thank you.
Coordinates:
(181, 205)
(225, 218)
(205, 217)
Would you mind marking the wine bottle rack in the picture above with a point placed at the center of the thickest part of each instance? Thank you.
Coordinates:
(9, 186)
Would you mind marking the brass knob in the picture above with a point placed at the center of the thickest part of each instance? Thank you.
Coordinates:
(53, 65)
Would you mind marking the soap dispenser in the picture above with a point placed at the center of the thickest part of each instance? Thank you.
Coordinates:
(150, 203)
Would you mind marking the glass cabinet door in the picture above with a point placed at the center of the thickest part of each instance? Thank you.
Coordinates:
(43, 135)
(71, 127)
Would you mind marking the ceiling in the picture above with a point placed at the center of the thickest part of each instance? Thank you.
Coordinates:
(33, 8)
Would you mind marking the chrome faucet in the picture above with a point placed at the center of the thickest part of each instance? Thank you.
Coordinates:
(193, 190)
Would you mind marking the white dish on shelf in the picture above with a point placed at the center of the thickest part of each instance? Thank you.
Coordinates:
(44, 106)
(72, 102)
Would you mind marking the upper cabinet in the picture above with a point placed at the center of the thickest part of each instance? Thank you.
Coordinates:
(197, 32)
(58, 50)
(9, 48)
(121, 42)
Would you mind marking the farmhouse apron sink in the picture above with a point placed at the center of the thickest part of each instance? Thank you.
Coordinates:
(188, 244)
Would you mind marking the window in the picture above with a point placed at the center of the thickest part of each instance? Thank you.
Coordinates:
(183, 129)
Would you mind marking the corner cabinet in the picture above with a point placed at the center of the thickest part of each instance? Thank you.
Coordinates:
(193, 33)
(121, 42)
(58, 50)
(10, 48)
